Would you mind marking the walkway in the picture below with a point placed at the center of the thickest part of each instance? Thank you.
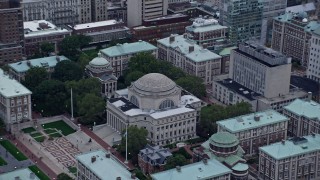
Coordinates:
(12, 162)
(106, 146)
(37, 160)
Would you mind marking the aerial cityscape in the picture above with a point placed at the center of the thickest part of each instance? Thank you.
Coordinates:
(159, 90)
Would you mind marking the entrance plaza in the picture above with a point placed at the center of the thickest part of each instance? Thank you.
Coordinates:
(58, 146)
(107, 134)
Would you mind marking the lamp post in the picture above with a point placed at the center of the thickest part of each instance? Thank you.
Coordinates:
(126, 161)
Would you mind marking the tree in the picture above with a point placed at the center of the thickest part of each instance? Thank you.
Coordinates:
(175, 160)
(34, 77)
(67, 71)
(46, 48)
(89, 106)
(50, 97)
(137, 139)
(70, 46)
(192, 84)
(213, 113)
(132, 76)
(64, 176)
(83, 61)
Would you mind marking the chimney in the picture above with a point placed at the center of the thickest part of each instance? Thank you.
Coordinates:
(313, 134)
(205, 161)
(185, 35)
(133, 176)
(118, 178)
(58, 58)
(309, 98)
(256, 117)
(32, 175)
(171, 38)
(178, 168)
(205, 45)
(107, 155)
(191, 49)
(28, 63)
(17, 178)
(93, 159)
(283, 141)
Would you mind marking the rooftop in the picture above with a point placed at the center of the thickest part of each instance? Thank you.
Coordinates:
(252, 121)
(293, 147)
(224, 139)
(10, 87)
(103, 163)
(199, 170)
(299, 19)
(128, 48)
(239, 89)
(304, 83)
(198, 54)
(306, 108)
(130, 109)
(302, 7)
(25, 174)
(41, 27)
(227, 51)
(24, 66)
(95, 24)
(205, 25)
(156, 154)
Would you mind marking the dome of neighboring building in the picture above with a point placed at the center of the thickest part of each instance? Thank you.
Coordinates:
(154, 83)
(99, 61)
(224, 140)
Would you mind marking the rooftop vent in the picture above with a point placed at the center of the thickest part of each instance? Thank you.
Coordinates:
(256, 118)
(107, 155)
(133, 176)
(32, 176)
(283, 141)
(118, 178)
(178, 168)
(304, 146)
(93, 159)
(205, 161)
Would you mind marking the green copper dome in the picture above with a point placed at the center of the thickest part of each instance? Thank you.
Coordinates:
(224, 139)
(99, 61)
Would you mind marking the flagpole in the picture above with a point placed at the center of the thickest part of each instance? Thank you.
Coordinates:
(126, 161)
(71, 106)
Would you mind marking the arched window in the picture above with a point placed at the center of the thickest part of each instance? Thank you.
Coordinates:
(166, 104)
(134, 100)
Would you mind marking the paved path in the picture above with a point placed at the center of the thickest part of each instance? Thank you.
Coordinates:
(106, 146)
(12, 162)
(37, 160)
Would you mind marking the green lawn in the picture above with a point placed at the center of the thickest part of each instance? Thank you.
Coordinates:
(59, 125)
(28, 130)
(13, 150)
(2, 162)
(38, 136)
(52, 133)
(41, 175)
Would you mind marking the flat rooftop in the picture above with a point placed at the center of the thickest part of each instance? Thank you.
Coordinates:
(128, 48)
(306, 84)
(182, 44)
(246, 122)
(103, 167)
(239, 89)
(130, 109)
(199, 170)
(41, 28)
(47, 62)
(10, 87)
(96, 24)
(293, 147)
(23, 174)
(307, 108)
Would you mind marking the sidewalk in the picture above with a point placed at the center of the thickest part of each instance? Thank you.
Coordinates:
(33, 157)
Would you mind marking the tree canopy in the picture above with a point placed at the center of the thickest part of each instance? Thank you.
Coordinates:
(46, 48)
(50, 97)
(70, 46)
(193, 84)
(67, 71)
(213, 113)
(137, 139)
(175, 160)
(89, 106)
(34, 77)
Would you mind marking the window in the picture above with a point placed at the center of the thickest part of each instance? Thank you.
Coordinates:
(134, 100)
(166, 104)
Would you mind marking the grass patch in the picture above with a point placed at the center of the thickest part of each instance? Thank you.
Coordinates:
(39, 137)
(2, 162)
(52, 133)
(59, 125)
(28, 130)
(72, 169)
(13, 150)
(41, 175)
